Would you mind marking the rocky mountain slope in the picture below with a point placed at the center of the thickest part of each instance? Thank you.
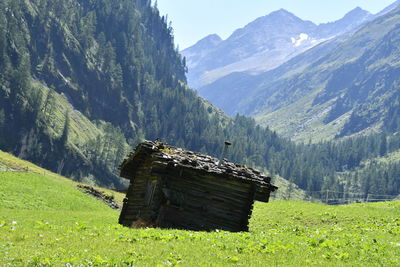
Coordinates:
(82, 82)
(344, 86)
(351, 89)
(262, 45)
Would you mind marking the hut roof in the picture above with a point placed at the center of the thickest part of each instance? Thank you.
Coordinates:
(178, 158)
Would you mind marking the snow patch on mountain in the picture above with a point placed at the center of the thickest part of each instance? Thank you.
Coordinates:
(262, 45)
(303, 39)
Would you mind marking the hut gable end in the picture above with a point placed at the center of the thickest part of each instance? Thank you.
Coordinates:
(174, 188)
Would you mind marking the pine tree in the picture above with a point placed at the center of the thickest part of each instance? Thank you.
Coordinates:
(66, 130)
(383, 145)
(2, 125)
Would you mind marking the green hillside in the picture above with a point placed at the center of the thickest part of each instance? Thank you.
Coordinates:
(82, 82)
(45, 221)
(30, 191)
(20, 177)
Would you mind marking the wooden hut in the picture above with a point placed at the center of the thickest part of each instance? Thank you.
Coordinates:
(174, 188)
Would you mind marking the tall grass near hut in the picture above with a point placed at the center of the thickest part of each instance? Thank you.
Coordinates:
(45, 221)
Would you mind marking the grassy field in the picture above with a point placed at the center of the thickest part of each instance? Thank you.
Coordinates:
(9, 162)
(46, 221)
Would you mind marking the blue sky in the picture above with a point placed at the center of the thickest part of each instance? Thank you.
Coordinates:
(195, 19)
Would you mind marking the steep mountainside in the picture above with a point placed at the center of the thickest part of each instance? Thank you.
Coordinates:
(389, 8)
(352, 89)
(71, 99)
(344, 86)
(262, 45)
(195, 54)
(81, 82)
(349, 22)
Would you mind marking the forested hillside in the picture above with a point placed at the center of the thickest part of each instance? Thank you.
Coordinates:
(82, 82)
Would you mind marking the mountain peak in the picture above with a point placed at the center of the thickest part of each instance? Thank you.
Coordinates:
(211, 40)
(357, 9)
(281, 14)
(355, 15)
(281, 11)
(215, 38)
(353, 19)
(357, 12)
(279, 19)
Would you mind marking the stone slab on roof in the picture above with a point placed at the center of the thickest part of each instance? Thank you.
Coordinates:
(173, 157)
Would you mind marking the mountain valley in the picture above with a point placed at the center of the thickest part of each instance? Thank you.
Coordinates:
(314, 109)
(83, 82)
(325, 92)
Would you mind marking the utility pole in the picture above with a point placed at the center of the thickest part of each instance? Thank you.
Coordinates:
(224, 150)
(326, 197)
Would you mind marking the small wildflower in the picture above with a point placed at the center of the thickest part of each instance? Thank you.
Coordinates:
(14, 222)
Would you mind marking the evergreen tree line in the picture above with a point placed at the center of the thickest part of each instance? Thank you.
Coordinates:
(319, 167)
(116, 63)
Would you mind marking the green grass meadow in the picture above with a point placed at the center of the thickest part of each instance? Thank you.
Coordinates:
(45, 221)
